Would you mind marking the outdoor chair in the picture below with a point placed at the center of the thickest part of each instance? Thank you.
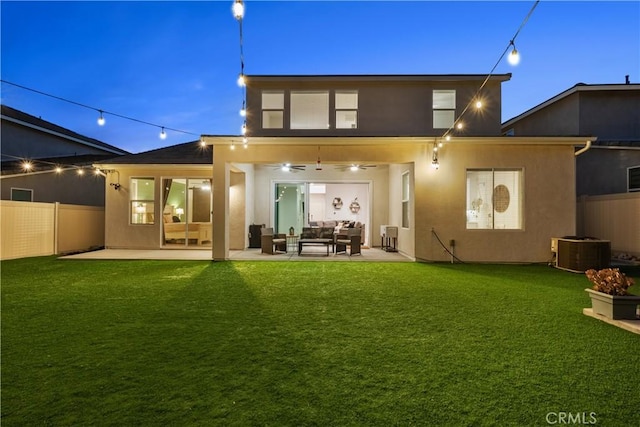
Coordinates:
(271, 243)
(352, 239)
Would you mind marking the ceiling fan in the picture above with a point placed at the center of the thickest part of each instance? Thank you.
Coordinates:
(355, 167)
(288, 167)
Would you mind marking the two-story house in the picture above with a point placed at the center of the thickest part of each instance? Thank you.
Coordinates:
(421, 152)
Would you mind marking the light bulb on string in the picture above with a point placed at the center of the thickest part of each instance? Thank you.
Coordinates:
(514, 56)
(27, 166)
(80, 171)
(163, 134)
(58, 169)
(101, 119)
(241, 81)
(238, 9)
(478, 104)
(233, 146)
(243, 110)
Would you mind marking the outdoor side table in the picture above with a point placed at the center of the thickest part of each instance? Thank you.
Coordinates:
(292, 243)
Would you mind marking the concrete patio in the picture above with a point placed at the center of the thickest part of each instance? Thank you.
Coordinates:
(309, 254)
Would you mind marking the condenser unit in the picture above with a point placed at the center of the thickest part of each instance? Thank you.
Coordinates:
(580, 255)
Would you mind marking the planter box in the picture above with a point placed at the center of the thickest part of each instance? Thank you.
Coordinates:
(614, 307)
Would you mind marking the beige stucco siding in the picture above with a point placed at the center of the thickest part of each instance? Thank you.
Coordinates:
(438, 197)
(549, 204)
(119, 233)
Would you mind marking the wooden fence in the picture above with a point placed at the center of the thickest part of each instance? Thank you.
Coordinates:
(614, 217)
(39, 229)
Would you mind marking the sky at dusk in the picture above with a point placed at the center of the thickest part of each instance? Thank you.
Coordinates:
(175, 64)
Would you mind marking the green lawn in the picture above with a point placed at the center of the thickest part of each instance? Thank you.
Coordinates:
(128, 343)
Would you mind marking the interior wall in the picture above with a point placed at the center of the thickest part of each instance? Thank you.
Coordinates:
(375, 179)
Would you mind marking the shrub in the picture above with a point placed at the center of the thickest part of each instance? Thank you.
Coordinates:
(609, 281)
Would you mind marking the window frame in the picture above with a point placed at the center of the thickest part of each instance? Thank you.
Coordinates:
(519, 197)
(438, 110)
(143, 203)
(340, 109)
(30, 190)
(272, 110)
(292, 110)
(405, 196)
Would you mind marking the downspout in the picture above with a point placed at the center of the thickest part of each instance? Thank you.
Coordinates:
(583, 149)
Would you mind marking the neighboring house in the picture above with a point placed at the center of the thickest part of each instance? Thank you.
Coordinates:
(361, 149)
(47, 146)
(610, 112)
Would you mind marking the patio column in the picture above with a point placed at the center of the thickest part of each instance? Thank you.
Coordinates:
(221, 180)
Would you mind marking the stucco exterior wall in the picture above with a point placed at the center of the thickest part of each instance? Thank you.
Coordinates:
(549, 203)
(560, 118)
(439, 196)
(119, 233)
(385, 108)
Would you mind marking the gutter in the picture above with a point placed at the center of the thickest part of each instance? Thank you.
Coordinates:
(583, 149)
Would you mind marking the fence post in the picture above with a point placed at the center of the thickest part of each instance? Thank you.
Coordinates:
(56, 225)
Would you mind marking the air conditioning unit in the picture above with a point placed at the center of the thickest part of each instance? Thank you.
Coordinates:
(579, 255)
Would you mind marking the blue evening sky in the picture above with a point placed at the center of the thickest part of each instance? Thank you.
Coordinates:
(175, 64)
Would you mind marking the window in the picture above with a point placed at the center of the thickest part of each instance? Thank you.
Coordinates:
(346, 109)
(633, 178)
(310, 110)
(22, 195)
(495, 199)
(405, 200)
(272, 110)
(444, 108)
(142, 200)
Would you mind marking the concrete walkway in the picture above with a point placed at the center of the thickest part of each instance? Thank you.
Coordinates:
(309, 254)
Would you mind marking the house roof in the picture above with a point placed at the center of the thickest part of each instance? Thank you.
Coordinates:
(20, 117)
(580, 87)
(378, 77)
(181, 154)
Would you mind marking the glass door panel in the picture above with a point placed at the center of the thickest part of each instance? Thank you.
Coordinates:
(186, 212)
(290, 207)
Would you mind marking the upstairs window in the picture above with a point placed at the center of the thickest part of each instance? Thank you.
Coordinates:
(347, 109)
(142, 200)
(444, 108)
(309, 109)
(272, 110)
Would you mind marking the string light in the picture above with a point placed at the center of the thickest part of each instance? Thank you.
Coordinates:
(27, 166)
(238, 14)
(514, 56)
(513, 59)
(80, 171)
(238, 9)
(163, 134)
(101, 119)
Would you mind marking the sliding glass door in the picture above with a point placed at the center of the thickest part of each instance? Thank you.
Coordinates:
(290, 207)
(187, 211)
